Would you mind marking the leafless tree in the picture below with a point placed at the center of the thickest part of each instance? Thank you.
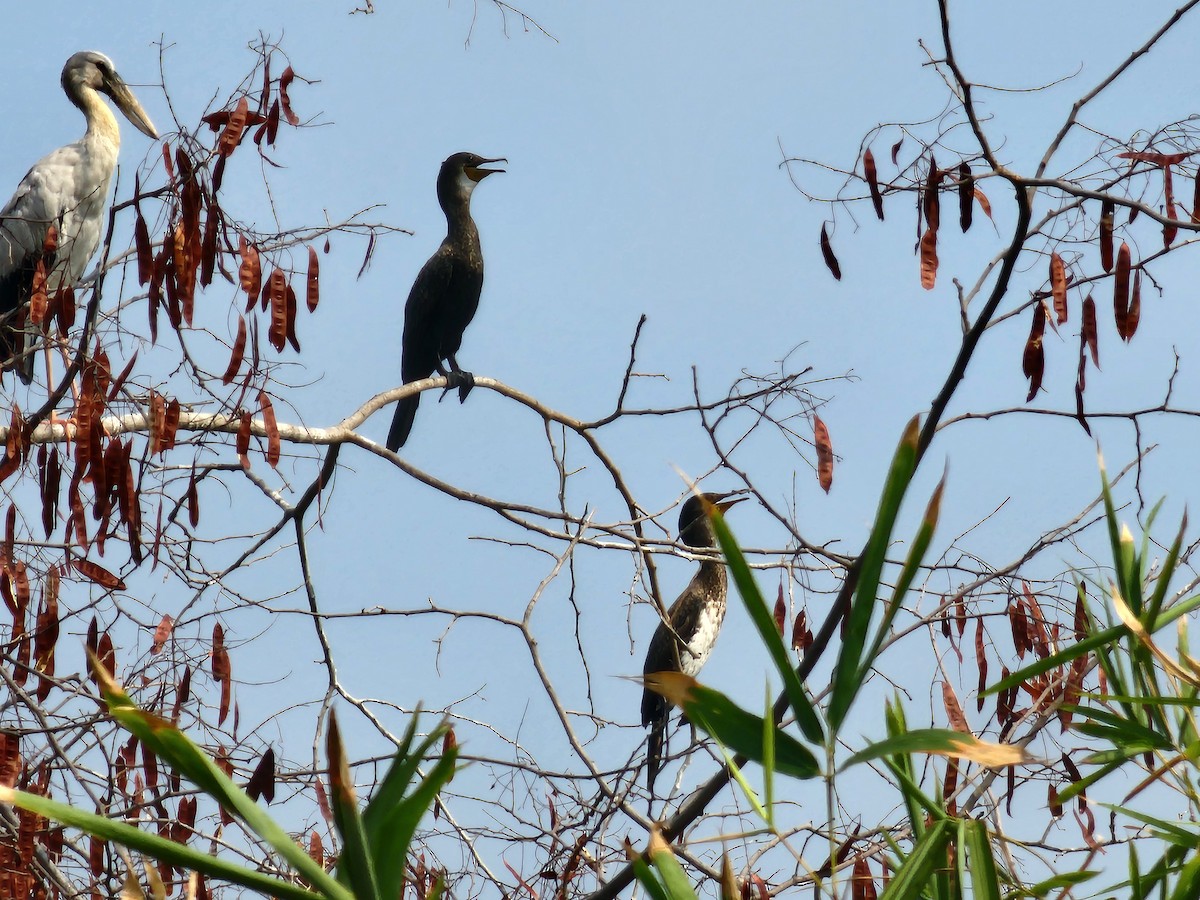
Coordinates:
(167, 410)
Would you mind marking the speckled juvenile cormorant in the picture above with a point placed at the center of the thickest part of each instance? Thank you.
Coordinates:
(695, 620)
(445, 295)
(69, 190)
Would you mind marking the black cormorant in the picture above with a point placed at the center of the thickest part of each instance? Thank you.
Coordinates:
(695, 621)
(445, 295)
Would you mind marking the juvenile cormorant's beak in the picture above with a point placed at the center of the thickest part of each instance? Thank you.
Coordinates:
(724, 504)
(116, 88)
(477, 173)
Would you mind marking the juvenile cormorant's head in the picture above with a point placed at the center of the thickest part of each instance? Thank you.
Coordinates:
(694, 527)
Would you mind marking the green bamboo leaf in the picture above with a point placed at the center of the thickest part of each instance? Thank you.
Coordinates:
(1157, 880)
(956, 875)
(1163, 582)
(1091, 643)
(945, 742)
(1116, 720)
(985, 880)
(356, 866)
(173, 747)
(768, 765)
(1058, 882)
(390, 846)
(920, 866)
(1187, 885)
(739, 776)
(1189, 702)
(1135, 872)
(912, 564)
(1128, 572)
(730, 725)
(391, 817)
(1106, 768)
(645, 876)
(764, 622)
(1168, 831)
(674, 879)
(399, 776)
(179, 855)
(915, 799)
(1104, 757)
(1110, 513)
(1054, 660)
(902, 765)
(1130, 740)
(848, 671)
(1130, 736)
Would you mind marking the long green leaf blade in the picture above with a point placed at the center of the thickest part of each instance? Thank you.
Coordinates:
(1187, 885)
(912, 564)
(390, 845)
(981, 863)
(927, 857)
(768, 764)
(174, 747)
(902, 764)
(179, 855)
(764, 622)
(674, 879)
(1163, 582)
(398, 778)
(356, 865)
(732, 726)
(1090, 643)
(646, 878)
(848, 675)
(1060, 881)
(942, 741)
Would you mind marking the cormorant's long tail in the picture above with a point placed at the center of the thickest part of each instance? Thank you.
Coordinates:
(656, 712)
(402, 422)
(656, 746)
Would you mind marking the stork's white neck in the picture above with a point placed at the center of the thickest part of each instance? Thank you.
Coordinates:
(101, 122)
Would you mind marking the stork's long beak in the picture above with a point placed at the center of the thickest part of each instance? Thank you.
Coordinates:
(477, 173)
(128, 104)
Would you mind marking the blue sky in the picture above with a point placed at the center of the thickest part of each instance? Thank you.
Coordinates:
(645, 144)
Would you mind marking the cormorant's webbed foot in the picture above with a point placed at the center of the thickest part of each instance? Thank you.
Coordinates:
(458, 378)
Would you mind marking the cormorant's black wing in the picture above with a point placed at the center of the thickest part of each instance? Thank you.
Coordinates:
(422, 337)
(661, 656)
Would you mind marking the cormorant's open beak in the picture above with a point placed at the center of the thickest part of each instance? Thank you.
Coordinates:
(128, 104)
(724, 504)
(477, 173)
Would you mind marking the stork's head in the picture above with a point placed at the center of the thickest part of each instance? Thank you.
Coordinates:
(694, 527)
(461, 172)
(91, 70)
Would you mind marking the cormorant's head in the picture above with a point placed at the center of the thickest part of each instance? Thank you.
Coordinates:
(462, 171)
(92, 69)
(694, 527)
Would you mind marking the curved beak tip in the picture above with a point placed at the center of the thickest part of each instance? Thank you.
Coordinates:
(130, 107)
